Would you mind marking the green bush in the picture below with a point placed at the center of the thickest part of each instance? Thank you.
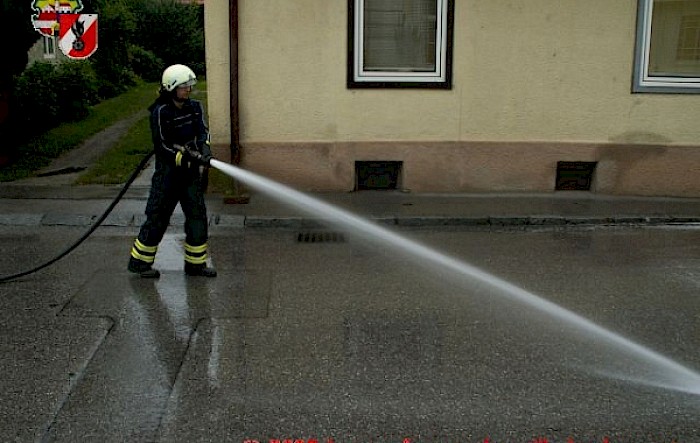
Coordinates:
(35, 98)
(77, 91)
(111, 60)
(145, 63)
(118, 81)
(46, 94)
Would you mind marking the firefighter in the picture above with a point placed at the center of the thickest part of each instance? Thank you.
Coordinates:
(181, 142)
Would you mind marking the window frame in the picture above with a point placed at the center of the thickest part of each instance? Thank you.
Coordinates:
(49, 46)
(642, 81)
(441, 78)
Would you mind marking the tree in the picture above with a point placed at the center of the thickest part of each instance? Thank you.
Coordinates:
(19, 34)
(17, 30)
(143, 37)
(171, 30)
(117, 29)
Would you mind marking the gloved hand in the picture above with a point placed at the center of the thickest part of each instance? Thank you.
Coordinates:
(199, 158)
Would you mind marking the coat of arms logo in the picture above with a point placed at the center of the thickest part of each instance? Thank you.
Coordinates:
(47, 13)
(76, 33)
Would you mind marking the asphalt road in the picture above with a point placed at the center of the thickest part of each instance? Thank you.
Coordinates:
(345, 339)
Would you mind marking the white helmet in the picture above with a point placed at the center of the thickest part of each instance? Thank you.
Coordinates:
(177, 75)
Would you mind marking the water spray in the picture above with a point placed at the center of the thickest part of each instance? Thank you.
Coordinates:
(668, 373)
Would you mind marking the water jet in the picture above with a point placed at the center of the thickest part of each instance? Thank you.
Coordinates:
(666, 373)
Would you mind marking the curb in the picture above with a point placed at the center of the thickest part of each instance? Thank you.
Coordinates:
(292, 222)
(437, 221)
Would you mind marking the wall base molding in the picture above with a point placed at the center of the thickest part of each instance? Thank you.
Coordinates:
(466, 167)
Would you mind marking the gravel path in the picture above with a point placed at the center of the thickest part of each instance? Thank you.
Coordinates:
(65, 169)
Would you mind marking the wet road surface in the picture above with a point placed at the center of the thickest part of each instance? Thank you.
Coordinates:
(340, 339)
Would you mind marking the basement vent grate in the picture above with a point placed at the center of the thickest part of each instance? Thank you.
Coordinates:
(320, 237)
(377, 175)
(574, 176)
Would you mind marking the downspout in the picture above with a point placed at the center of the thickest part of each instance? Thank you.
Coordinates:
(233, 68)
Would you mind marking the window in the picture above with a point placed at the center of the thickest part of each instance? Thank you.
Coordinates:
(668, 46)
(49, 46)
(400, 43)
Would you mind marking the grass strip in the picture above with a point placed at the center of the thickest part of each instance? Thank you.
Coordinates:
(117, 164)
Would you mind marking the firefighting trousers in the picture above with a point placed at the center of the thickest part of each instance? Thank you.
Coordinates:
(169, 187)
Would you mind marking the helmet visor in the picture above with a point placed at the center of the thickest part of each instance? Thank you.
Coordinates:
(188, 83)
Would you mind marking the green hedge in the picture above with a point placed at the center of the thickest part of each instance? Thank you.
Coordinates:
(46, 95)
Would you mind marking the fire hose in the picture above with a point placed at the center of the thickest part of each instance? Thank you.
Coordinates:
(92, 229)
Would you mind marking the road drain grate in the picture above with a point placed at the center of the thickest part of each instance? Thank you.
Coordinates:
(320, 237)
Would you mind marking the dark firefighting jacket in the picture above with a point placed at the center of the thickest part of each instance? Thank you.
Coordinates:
(171, 126)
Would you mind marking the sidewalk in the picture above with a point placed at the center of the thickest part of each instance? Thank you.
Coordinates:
(80, 205)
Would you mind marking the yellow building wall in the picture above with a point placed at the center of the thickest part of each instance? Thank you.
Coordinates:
(534, 82)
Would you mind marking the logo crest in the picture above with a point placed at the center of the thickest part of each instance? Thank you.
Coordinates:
(77, 36)
(46, 18)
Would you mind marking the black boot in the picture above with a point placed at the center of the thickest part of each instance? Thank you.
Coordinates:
(143, 269)
(199, 270)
